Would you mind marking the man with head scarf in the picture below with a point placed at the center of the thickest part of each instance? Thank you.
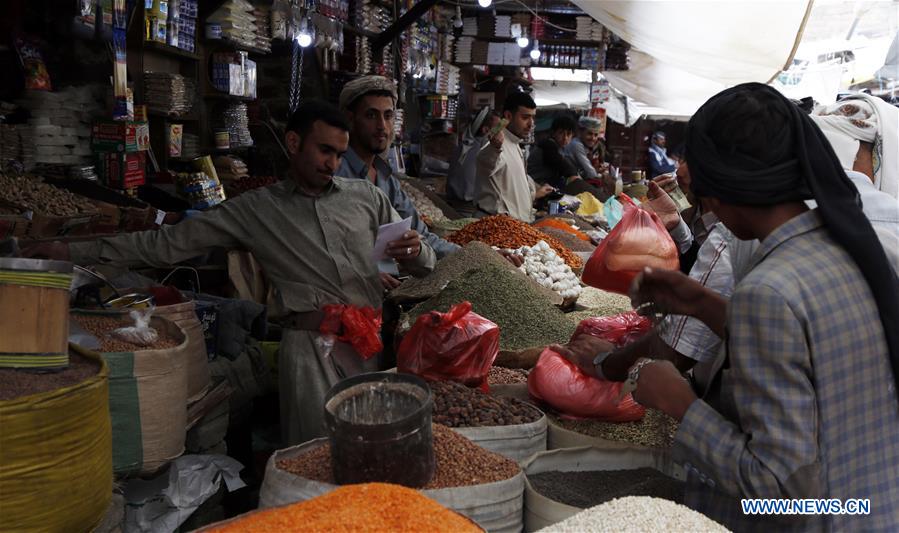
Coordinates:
(369, 104)
(804, 404)
(659, 162)
(462, 179)
(587, 147)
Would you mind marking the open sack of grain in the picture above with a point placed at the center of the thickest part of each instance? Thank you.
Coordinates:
(481, 485)
(561, 483)
(147, 390)
(637, 513)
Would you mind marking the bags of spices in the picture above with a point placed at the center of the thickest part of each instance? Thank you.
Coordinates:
(458, 345)
(639, 240)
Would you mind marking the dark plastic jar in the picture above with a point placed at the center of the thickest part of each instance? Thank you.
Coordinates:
(380, 429)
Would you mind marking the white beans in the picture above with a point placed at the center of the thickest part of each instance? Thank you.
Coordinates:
(636, 514)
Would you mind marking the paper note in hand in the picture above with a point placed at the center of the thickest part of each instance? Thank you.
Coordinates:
(389, 233)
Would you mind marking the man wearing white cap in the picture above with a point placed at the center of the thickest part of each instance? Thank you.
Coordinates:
(581, 149)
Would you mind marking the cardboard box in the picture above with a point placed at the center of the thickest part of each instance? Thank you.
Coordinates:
(120, 136)
(122, 171)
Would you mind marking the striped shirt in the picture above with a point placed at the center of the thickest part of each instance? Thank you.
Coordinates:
(807, 406)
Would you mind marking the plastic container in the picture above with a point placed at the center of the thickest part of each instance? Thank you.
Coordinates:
(380, 429)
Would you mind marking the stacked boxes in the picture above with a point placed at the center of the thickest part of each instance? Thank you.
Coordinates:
(120, 147)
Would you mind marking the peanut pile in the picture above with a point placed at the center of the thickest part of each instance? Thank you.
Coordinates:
(456, 405)
(33, 195)
(504, 231)
(102, 327)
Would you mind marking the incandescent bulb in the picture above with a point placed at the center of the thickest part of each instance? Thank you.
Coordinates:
(304, 39)
(485, 3)
(523, 42)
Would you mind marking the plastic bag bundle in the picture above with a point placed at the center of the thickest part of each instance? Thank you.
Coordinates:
(458, 345)
(619, 329)
(140, 333)
(360, 327)
(639, 240)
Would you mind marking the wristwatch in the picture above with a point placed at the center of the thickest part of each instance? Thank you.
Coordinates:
(597, 363)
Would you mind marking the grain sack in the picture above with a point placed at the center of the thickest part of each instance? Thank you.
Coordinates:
(55, 455)
(654, 430)
(147, 395)
(496, 506)
(637, 513)
(185, 316)
(541, 511)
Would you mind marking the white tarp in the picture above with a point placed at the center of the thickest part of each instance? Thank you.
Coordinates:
(686, 51)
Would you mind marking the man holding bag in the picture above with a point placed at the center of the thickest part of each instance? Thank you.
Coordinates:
(314, 234)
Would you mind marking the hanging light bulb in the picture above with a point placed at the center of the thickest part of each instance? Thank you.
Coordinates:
(535, 51)
(485, 3)
(522, 40)
(304, 38)
(457, 20)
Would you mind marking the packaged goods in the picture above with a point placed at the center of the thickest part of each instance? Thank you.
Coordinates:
(36, 75)
(593, 487)
(549, 270)
(504, 231)
(375, 506)
(640, 240)
(637, 513)
(472, 256)
(525, 316)
(458, 345)
(561, 384)
(654, 430)
(459, 463)
(456, 405)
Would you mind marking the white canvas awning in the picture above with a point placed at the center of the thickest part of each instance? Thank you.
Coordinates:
(684, 52)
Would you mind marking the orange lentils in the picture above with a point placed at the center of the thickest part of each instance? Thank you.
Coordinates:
(504, 231)
(364, 508)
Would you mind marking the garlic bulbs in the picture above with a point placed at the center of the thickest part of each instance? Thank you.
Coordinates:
(545, 267)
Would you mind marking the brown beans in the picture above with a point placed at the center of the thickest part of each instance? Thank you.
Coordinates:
(102, 327)
(458, 463)
(456, 405)
(504, 231)
(655, 429)
(16, 383)
(506, 376)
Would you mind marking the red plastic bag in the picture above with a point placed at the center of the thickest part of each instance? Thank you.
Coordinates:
(619, 329)
(638, 241)
(458, 345)
(562, 385)
(360, 327)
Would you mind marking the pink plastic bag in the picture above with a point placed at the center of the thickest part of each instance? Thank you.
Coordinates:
(562, 385)
(638, 241)
(458, 345)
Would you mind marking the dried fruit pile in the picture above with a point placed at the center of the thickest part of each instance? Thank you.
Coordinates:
(504, 231)
(456, 405)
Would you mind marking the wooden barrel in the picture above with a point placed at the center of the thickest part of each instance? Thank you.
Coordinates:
(34, 307)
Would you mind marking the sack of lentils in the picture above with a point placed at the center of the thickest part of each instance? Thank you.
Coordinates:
(509, 427)
(366, 506)
(485, 487)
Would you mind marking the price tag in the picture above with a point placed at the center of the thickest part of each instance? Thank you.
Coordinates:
(160, 217)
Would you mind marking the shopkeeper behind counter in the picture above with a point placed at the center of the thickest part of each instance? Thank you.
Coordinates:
(314, 235)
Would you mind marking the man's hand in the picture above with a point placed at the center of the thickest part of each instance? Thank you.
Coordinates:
(543, 191)
(674, 292)
(661, 386)
(498, 140)
(405, 249)
(389, 282)
(582, 350)
(513, 258)
(56, 250)
(663, 205)
(668, 182)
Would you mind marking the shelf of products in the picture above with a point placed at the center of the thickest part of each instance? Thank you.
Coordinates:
(153, 46)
